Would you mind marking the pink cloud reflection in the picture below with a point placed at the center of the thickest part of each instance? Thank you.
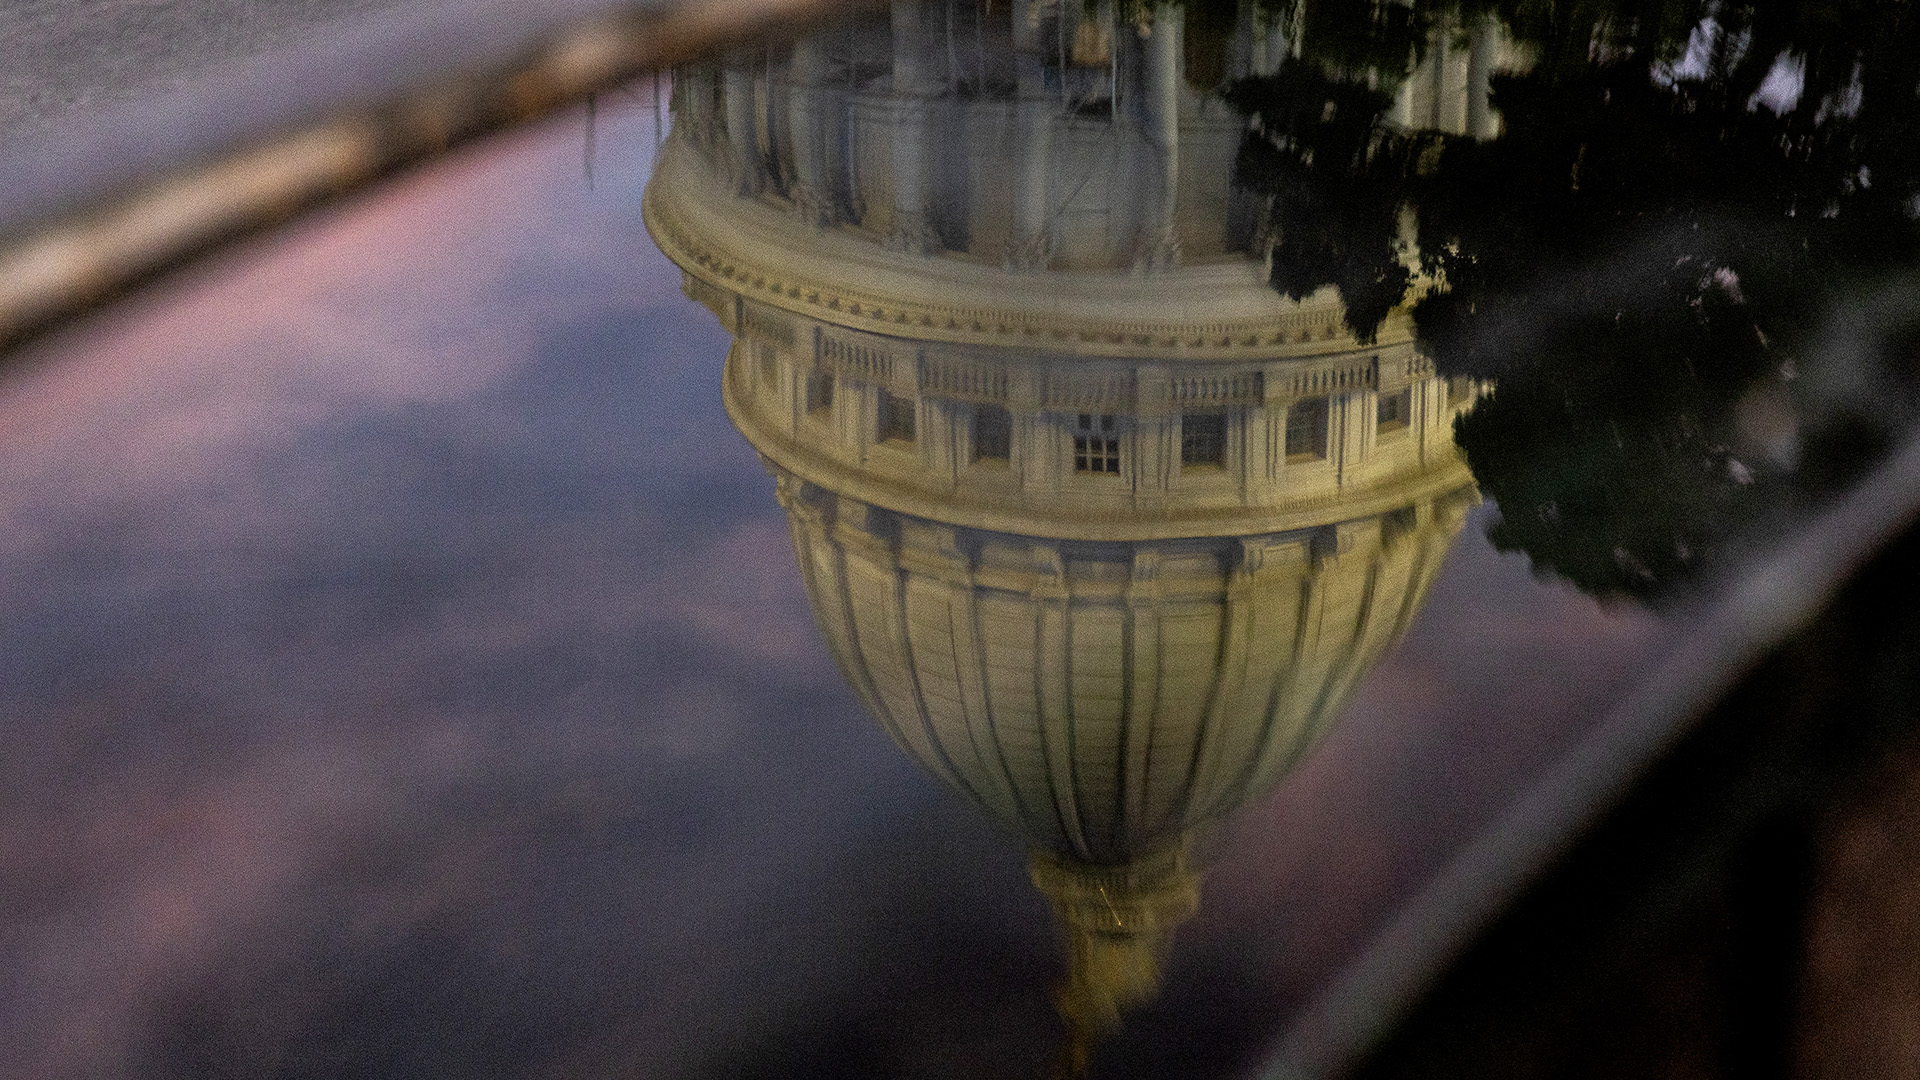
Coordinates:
(164, 441)
(1499, 675)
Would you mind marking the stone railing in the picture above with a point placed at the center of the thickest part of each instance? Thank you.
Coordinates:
(963, 379)
(1239, 388)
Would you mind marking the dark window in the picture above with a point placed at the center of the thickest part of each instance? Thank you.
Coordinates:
(896, 417)
(1459, 389)
(992, 433)
(1096, 443)
(819, 392)
(1203, 438)
(1307, 429)
(1394, 410)
(763, 356)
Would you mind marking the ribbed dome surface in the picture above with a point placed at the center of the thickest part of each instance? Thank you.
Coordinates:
(1105, 698)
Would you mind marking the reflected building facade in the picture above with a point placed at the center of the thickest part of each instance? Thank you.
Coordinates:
(1099, 526)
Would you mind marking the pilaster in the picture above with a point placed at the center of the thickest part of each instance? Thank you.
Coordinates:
(743, 142)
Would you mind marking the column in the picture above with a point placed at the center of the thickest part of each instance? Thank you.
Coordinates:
(1347, 425)
(1481, 121)
(1158, 245)
(913, 93)
(1270, 41)
(1036, 450)
(695, 89)
(1440, 56)
(1031, 245)
(743, 143)
(1402, 114)
(812, 192)
(941, 425)
(1156, 435)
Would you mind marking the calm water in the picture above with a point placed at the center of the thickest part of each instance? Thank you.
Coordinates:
(407, 673)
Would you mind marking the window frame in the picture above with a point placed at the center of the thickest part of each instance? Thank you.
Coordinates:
(1320, 410)
(820, 390)
(1402, 400)
(897, 418)
(1211, 433)
(1096, 444)
(1003, 436)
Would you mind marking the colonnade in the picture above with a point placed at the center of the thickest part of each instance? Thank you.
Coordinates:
(783, 121)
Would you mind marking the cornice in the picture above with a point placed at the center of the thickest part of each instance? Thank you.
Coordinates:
(756, 250)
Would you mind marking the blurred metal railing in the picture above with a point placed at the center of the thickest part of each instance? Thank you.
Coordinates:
(113, 199)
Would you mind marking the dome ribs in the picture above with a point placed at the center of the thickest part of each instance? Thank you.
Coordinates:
(1192, 635)
(1105, 698)
(993, 739)
(876, 592)
(1096, 707)
(1142, 649)
(1052, 690)
(1010, 646)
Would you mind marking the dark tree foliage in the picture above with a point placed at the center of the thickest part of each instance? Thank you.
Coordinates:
(1330, 170)
(1607, 448)
(1632, 258)
(1333, 179)
(1636, 255)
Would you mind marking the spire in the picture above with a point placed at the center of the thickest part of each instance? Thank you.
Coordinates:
(1119, 922)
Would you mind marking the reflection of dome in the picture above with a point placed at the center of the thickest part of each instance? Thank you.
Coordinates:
(1102, 529)
(1106, 697)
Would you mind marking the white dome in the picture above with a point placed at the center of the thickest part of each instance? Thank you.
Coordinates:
(1106, 698)
(1101, 528)
(1104, 539)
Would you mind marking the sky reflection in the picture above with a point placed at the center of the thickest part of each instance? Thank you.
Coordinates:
(406, 674)
(405, 665)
